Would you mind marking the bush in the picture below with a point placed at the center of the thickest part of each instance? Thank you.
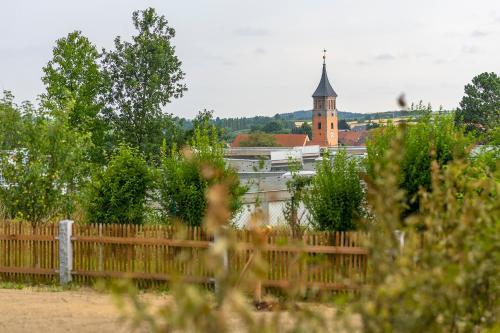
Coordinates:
(445, 279)
(335, 196)
(118, 194)
(432, 138)
(45, 167)
(184, 176)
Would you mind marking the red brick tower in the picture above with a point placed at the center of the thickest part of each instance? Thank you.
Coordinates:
(325, 131)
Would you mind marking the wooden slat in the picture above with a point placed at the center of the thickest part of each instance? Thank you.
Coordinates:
(23, 237)
(43, 271)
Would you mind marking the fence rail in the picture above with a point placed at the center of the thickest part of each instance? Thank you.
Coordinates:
(163, 253)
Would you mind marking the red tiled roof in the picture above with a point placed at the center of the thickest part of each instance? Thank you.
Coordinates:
(283, 140)
(351, 138)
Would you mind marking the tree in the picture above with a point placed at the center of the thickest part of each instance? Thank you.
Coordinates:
(11, 124)
(343, 125)
(143, 76)
(335, 196)
(185, 176)
(480, 107)
(118, 193)
(44, 173)
(431, 138)
(305, 128)
(296, 187)
(272, 127)
(73, 76)
(259, 139)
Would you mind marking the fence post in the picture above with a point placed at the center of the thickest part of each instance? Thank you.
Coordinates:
(265, 208)
(65, 251)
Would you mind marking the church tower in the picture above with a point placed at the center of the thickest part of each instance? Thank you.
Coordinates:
(325, 129)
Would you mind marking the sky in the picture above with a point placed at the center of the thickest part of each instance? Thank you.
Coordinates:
(262, 57)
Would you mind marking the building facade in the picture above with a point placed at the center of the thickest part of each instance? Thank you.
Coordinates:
(325, 130)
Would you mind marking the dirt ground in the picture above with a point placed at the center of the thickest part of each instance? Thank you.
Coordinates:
(62, 311)
(83, 310)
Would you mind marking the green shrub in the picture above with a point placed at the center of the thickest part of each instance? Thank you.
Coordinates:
(45, 167)
(185, 175)
(335, 197)
(447, 278)
(432, 138)
(118, 194)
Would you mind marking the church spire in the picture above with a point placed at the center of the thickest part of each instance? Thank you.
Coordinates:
(324, 87)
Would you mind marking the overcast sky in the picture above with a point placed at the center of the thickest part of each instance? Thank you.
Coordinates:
(262, 57)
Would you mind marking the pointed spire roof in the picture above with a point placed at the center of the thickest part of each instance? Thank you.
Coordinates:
(324, 87)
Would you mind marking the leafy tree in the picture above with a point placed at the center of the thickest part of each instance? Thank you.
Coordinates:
(44, 174)
(305, 128)
(143, 75)
(259, 140)
(297, 187)
(335, 196)
(204, 121)
(343, 125)
(118, 193)
(11, 124)
(480, 107)
(73, 76)
(431, 138)
(273, 127)
(185, 176)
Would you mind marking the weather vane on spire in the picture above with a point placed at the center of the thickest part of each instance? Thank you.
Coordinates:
(324, 55)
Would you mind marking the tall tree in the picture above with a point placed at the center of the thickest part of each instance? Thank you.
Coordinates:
(11, 123)
(480, 106)
(74, 83)
(143, 76)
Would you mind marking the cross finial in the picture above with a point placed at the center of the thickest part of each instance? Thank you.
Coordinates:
(324, 56)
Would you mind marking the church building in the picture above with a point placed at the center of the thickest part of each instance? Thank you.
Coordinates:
(325, 131)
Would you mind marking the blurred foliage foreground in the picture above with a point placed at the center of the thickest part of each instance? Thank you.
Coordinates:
(444, 279)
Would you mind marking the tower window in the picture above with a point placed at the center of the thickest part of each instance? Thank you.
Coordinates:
(332, 125)
(319, 125)
(319, 114)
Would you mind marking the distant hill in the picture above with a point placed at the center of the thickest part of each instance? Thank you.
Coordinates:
(306, 115)
(285, 122)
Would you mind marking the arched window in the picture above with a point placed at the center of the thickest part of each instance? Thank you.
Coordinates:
(331, 125)
(319, 125)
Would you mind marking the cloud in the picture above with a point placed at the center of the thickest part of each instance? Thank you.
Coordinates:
(260, 51)
(422, 55)
(477, 33)
(439, 61)
(251, 32)
(362, 63)
(384, 57)
(470, 49)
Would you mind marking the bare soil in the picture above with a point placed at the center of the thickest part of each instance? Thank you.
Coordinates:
(84, 310)
(30, 310)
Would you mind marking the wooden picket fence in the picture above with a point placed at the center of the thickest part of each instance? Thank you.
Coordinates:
(320, 260)
(28, 252)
